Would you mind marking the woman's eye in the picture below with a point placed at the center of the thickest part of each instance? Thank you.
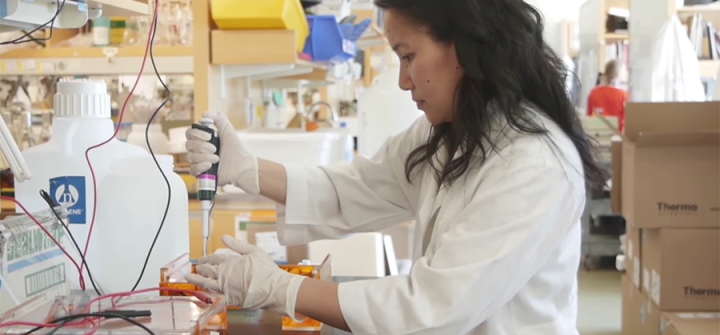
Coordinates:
(407, 58)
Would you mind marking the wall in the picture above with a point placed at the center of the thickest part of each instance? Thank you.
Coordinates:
(554, 13)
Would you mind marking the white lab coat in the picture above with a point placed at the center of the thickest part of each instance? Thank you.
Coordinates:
(497, 253)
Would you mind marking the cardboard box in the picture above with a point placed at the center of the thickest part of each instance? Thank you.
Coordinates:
(690, 324)
(402, 237)
(681, 268)
(616, 165)
(671, 165)
(639, 315)
(264, 235)
(633, 256)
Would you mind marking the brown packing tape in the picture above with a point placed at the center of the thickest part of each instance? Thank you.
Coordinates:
(645, 118)
(697, 323)
(678, 139)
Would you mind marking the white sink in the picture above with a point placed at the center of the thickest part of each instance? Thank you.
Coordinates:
(291, 146)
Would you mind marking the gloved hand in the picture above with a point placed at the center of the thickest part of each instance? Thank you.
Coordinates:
(248, 278)
(237, 166)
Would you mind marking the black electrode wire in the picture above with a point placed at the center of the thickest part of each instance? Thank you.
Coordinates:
(147, 141)
(52, 205)
(33, 39)
(108, 315)
(28, 34)
(60, 326)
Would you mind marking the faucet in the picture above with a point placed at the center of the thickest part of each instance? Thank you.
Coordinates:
(333, 114)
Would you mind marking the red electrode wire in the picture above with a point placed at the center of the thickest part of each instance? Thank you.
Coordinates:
(86, 310)
(153, 26)
(197, 294)
(81, 267)
(82, 280)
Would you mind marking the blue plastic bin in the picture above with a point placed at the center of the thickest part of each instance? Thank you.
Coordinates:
(326, 42)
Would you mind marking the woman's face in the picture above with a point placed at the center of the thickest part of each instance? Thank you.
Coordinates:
(428, 69)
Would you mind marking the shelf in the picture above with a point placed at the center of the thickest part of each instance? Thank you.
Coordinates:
(95, 61)
(122, 7)
(316, 78)
(255, 47)
(616, 37)
(699, 9)
(97, 52)
(709, 13)
(258, 54)
(709, 68)
(292, 84)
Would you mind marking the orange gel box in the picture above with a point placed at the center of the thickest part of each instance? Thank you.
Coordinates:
(172, 276)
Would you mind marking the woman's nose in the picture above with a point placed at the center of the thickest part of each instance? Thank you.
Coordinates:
(405, 82)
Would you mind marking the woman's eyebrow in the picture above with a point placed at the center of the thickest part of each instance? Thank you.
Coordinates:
(397, 46)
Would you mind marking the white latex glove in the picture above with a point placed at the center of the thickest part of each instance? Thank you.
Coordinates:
(237, 166)
(248, 278)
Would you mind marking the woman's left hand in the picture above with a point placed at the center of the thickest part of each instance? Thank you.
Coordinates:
(248, 278)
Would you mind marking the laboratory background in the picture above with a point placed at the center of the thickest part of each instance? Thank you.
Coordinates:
(98, 203)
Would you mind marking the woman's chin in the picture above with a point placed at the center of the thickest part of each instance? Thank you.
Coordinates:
(434, 119)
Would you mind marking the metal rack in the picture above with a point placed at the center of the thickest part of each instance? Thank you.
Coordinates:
(597, 205)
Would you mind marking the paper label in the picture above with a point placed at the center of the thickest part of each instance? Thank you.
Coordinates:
(241, 221)
(646, 280)
(636, 272)
(31, 264)
(269, 242)
(69, 192)
(46, 67)
(12, 67)
(662, 326)
(643, 314)
(655, 291)
(29, 66)
(206, 184)
(694, 316)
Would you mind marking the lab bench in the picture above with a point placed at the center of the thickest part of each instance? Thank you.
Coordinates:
(267, 323)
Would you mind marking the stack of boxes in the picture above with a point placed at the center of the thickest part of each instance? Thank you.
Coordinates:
(670, 197)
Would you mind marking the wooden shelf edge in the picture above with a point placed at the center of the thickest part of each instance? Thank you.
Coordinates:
(699, 9)
(122, 7)
(317, 74)
(97, 52)
(615, 37)
(253, 47)
(709, 68)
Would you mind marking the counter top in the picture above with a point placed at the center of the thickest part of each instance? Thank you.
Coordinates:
(267, 323)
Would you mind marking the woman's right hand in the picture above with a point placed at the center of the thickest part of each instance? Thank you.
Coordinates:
(237, 166)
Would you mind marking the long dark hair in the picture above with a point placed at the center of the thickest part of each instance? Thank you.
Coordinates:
(507, 65)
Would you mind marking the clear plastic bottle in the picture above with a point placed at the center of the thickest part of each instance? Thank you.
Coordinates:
(158, 140)
(81, 120)
(127, 224)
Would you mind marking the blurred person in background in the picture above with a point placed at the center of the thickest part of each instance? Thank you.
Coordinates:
(607, 99)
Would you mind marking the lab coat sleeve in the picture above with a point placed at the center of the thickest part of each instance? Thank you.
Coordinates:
(367, 195)
(522, 210)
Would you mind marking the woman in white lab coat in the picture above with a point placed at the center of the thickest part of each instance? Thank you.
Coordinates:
(495, 175)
